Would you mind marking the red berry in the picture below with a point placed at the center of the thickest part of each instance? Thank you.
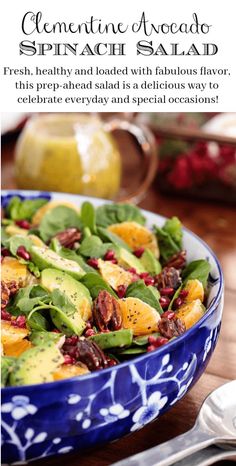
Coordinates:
(20, 322)
(113, 261)
(164, 301)
(139, 252)
(68, 359)
(161, 341)
(149, 281)
(111, 362)
(71, 340)
(183, 294)
(132, 270)
(152, 340)
(110, 255)
(5, 315)
(23, 253)
(89, 332)
(151, 348)
(23, 224)
(144, 275)
(178, 302)
(55, 330)
(121, 290)
(5, 252)
(168, 314)
(167, 291)
(93, 262)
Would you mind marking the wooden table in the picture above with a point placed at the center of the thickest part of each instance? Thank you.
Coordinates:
(216, 224)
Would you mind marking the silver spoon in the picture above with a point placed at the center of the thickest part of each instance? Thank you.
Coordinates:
(208, 456)
(215, 424)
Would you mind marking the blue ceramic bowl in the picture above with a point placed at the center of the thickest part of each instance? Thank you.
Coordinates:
(73, 414)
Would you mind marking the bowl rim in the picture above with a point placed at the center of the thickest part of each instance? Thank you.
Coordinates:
(143, 357)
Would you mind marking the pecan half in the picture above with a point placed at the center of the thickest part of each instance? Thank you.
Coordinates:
(68, 237)
(170, 328)
(106, 312)
(169, 277)
(8, 289)
(178, 261)
(90, 354)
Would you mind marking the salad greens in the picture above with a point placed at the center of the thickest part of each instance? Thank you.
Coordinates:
(82, 297)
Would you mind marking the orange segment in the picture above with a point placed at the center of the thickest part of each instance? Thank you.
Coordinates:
(114, 274)
(13, 339)
(68, 370)
(50, 205)
(138, 316)
(136, 236)
(195, 290)
(190, 313)
(12, 269)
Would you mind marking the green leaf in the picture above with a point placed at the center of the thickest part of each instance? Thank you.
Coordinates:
(143, 340)
(145, 293)
(58, 219)
(107, 235)
(199, 269)
(95, 283)
(29, 297)
(62, 301)
(44, 337)
(18, 240)
(93, 247)
(88, 216)
(108, 214)
(169, 238)
(38, 322)
(7, 366)
(24, 210)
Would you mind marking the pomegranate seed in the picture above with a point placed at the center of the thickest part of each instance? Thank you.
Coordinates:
(121, 290)
(167, 291)
(139, 252)
(72, 351)
(109, 255)
(68, 359)
(135, 278)
(55, 330)
(89, 332)
(178, 302)
(144, 275)
(5, 252)
(152, 340)
(164, 301)
(93, 262)
(183, 294)
(88, 325)
(111, 362)
(151, 348)
(71, 340)
(168, 314)
(20, 322)
(113, 261)
(161, 341)
(132, 270)
(149, 281)
(23, 224)
(23, 253)
(5, 315)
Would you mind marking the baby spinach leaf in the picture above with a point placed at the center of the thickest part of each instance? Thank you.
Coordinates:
(108, 214)
(199, 269)
(29, 297)
(38, 322)
(143, 339)
(58, 219)
(62, 301)
(93, 247)
(88, 216)
(7, 366)
(169, 238)
(23, 210)
(18, 240)
(145, 293)
(107, 235)
(95, 283)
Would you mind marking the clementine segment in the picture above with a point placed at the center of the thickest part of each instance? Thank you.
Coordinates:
(195, 290)
(136, 236)
(113, 274)
(190, 313)
(138, 316)
(70, 370)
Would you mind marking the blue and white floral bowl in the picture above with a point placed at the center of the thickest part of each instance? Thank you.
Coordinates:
(73, 414)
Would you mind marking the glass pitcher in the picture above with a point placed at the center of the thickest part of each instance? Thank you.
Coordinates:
(77, 153)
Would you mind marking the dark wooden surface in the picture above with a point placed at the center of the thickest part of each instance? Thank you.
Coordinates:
(216, 224)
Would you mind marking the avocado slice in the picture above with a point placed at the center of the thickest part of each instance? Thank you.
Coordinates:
(36, 365)
(116, 339)
(78, 294)
(45, 257)
(151, 264)
(126, 258)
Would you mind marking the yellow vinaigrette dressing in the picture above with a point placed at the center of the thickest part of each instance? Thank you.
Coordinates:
(69, 153)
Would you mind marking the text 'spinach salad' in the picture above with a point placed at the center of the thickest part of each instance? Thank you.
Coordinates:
(85, 289)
